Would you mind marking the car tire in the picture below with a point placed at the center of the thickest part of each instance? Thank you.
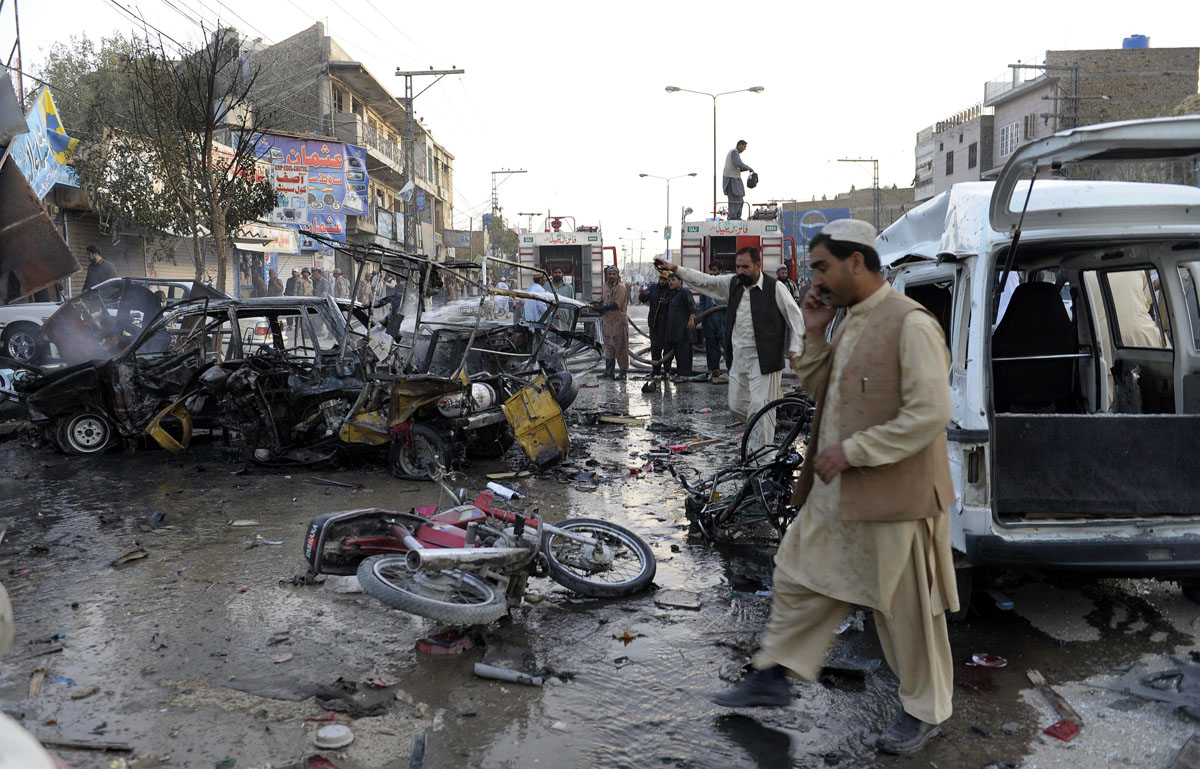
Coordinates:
(86, 432)
(565, 387)
(20, 342)
(413, 461)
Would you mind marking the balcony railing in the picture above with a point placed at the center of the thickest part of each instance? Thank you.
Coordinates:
(351, 128)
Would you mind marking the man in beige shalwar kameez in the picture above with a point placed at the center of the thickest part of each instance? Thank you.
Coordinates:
(873, 529)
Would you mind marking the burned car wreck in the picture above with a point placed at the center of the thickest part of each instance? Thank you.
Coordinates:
(456, 383)
(269, 369)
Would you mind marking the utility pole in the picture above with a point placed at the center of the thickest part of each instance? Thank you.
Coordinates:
(525, 213)
(876, 204)
(496, 201)
(410, 138)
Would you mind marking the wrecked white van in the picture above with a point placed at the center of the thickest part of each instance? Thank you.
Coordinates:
(1071, 312)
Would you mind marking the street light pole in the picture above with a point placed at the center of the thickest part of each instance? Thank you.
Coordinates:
(667, 227)
(641, 241)
(713, 96)
(410, 137)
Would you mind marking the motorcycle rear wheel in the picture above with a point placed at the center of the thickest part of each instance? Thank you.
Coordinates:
(454, 597)
(571, 565)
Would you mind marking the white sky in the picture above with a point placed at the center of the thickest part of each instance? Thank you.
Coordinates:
(574, 92)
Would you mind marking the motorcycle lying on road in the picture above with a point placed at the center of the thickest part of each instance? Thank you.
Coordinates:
(468, 564)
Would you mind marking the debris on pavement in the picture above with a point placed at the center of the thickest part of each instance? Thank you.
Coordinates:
(333, 737)
(132, 555)
(344, 584)
(283, 658)
(677, 599)
(504, 674)
(416, 758)
(1188, 756)
(507, 475)
(340, 484)
(85, 692)
(622, 421)
(445, 644)
(1010, 727)
(36, 680)
(1060, 704)
(980, 660)
(101, 747)
(852, 621)
(344, 696)
(1064, 730)
(244, 522)
(1178, 687)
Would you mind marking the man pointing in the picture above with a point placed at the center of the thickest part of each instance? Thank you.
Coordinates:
(756, 335)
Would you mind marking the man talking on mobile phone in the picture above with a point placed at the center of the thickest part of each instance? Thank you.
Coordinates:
(763, 329)
(873, 528)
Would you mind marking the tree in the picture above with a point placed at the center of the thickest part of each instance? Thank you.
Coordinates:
(149, 149)
(503, 238)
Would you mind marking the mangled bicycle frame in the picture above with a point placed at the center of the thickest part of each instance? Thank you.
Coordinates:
(449, 389)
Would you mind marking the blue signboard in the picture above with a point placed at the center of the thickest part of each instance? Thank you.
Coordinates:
(803, 226)
(41, 153)
(332, 226)
(315, 176)
(420, 200)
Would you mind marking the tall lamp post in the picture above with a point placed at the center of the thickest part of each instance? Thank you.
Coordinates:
(667, 227)
(713, 96)
(641, 240)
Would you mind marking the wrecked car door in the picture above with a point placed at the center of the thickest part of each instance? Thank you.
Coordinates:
(174, 350)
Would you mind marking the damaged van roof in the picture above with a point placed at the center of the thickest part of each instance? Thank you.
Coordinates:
(956, 222)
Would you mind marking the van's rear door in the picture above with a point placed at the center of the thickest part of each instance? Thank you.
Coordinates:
(1174, 138)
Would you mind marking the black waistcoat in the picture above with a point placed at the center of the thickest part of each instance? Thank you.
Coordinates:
(770, 327)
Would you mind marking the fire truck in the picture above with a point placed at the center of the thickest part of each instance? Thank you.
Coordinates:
(578, 250)
(708, 242)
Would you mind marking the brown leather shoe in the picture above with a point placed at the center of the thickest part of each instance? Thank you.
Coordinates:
(907, 735)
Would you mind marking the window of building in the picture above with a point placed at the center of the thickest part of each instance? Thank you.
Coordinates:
(339, 100)
(949, 163)
(960, 138)
(1009, 138)
(1030, 126)
(972, 154)
(941, 146)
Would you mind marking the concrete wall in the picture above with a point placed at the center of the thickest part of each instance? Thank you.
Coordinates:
(292, 82)
(1141, 82)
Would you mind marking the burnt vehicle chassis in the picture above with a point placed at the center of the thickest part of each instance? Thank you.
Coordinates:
(193, 367)
(453, 388)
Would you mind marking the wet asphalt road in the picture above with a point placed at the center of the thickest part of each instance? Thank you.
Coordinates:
(205, 651)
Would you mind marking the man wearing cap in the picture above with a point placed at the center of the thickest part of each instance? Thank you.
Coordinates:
(874, 527)
(731, 181)
(785, 280)
(758, 318)
(614, 301)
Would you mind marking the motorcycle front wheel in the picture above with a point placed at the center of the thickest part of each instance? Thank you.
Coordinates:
(615, 563)
(454, 597)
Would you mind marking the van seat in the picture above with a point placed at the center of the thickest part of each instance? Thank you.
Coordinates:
(1035, 323)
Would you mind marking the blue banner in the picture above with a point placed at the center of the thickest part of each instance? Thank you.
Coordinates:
(803, 226)
(40, 154)
(315, 176)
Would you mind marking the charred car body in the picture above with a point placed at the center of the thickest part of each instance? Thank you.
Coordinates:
(455, 383)
(270, 369)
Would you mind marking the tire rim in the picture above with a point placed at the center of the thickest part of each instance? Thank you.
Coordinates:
(88, 433)
(443, 586)
(623, 567)
(411, 458)
(21, 346)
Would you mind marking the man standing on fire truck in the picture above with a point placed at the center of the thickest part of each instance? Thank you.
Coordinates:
(731, 182)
